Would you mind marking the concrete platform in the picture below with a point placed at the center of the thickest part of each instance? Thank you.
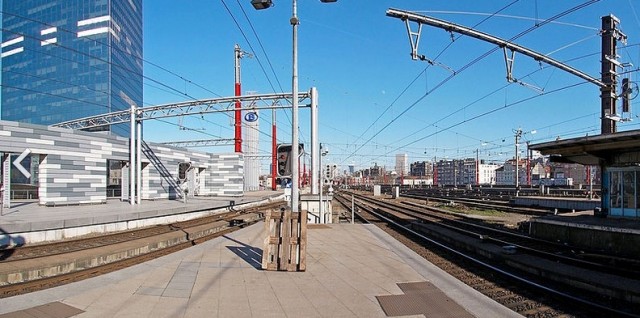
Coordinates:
(351, 270)
(619, 236)
(566, 204)
(27, 222)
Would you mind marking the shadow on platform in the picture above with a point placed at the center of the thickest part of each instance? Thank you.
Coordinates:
(7, 244)
(251, 255)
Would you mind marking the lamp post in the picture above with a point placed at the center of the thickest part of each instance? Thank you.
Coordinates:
(518, 133)
(321, 179)
(295, 195)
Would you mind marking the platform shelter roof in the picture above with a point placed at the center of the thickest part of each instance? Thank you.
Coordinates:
(590, 150)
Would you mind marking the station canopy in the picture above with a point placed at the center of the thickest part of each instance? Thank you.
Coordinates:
(590, 150)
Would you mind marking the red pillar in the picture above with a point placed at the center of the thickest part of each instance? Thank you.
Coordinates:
(299, 174)
(238, 91)
(238, 122)
(274, 150)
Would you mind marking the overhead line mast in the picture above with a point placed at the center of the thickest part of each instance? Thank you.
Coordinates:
(610, 36)
(238, 53)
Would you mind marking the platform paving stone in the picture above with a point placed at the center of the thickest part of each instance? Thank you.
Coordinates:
(348, 266)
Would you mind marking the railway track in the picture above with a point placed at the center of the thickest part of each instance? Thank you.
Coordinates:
(554, 251)
(62, 262)
(498, 205)
(518, 288)
(346, 204)
(492, 192)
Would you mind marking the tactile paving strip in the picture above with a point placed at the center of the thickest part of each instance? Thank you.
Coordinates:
(50, 310)
(421, 298)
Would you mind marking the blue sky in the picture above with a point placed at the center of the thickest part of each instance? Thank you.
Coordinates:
(374, 100)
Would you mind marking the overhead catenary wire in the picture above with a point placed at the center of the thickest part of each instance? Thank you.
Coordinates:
(172, 90)
(102, 60)
(535, 19)
(126, 52)
(473, 62)
(257, 58)
(425, 69)
(493, 111)
(463, 108)
(435, 123)
(428, 91)
(538, 129)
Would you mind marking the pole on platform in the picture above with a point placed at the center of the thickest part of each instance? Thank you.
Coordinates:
(238, 106)
(132, 156)
(610, 35)
(274, 150)
(352, 209)
(139, 161)
(295, 198)
(321, 206)
(315, 148)
(517, 181)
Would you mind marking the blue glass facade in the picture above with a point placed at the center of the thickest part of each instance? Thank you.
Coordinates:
(68, 59)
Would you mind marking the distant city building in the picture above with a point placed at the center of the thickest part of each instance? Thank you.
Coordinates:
(459, 172)
(487, 173)
(506, 175)
(538, 172)
(421, 169)
(373, 172)
(455, 172)
(402, 164)
(417, 181)
(469, 171)
(69, 59)
(447, 172)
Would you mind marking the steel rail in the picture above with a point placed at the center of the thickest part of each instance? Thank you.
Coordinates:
(504, 272)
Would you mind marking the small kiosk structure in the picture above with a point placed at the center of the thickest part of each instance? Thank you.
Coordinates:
(618, 156)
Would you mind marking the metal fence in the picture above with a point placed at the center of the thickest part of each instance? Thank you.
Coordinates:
(29, 194)
(32, 194)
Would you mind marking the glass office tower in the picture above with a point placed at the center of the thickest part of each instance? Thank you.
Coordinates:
(69, 59)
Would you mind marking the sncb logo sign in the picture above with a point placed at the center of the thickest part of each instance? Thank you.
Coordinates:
(251, 116)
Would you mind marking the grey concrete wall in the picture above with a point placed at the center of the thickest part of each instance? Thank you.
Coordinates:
(73, 165)
(222, 174)
(623, 242)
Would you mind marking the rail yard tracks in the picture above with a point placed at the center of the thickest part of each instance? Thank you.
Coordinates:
(532, 277)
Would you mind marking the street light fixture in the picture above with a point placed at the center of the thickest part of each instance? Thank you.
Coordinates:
(295, 193)
(261, 4)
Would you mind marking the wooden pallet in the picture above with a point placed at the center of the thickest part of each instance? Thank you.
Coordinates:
(286, 241)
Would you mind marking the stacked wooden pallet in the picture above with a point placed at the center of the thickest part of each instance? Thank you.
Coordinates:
(286, 241)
